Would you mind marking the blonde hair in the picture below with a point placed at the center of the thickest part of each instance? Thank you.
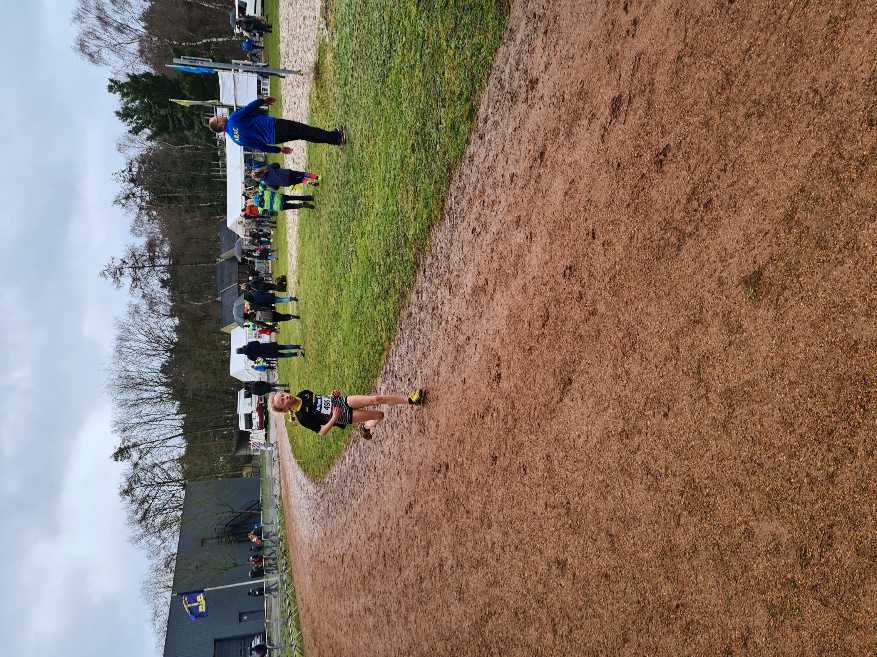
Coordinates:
(272, 400)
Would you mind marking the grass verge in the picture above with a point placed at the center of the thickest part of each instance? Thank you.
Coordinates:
(288, 634)
(271, 42)
(405, 79)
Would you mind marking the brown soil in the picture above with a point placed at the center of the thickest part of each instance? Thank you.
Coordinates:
(646, 326)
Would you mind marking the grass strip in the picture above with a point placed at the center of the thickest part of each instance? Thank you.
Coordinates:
(271, 43)
(288, 634)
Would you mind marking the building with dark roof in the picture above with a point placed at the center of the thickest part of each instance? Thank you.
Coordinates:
(229, 275)
(213, 550)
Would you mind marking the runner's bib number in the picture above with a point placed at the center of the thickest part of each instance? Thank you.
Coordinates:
(323, 405)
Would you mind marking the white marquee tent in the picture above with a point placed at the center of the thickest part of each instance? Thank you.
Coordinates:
(235, 90)
(241, 367)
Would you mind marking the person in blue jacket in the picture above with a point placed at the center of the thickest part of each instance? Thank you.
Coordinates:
(251, 47)
(275, 177)
(250, 128)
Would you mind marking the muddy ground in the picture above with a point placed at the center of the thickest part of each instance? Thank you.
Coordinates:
(646, 327)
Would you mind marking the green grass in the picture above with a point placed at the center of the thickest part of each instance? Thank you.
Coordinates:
(289, 629)
(405, 78)
(753, 286)
(271, 42)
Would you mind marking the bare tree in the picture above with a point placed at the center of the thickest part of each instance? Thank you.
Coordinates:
(145, 266)
(152, 493)
(157, 588)
(209, 5)
(146, 356)
(114, 32)
(161, 176)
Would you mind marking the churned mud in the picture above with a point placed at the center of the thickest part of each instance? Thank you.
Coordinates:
(646, 326)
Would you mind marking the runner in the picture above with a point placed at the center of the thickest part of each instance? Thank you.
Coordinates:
(320, 412)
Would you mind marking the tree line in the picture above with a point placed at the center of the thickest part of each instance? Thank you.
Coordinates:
(174, 401)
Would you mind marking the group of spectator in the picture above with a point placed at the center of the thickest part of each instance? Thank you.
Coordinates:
(257, 560)
(252, 27)
(252, 218)
(266, 316)
(250, 128)
(260, 290)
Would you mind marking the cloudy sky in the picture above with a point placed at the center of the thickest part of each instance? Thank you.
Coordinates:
(72, 581)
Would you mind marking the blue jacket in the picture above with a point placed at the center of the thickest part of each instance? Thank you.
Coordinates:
(275, 177)
(250, 128)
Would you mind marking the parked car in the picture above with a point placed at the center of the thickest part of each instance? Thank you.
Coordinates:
(252, 411)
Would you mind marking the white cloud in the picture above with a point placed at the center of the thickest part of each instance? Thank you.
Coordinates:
(57, 481)
(84, 562)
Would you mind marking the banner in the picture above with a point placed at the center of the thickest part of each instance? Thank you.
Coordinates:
(191, 69)
(195, 604)
(199, 103)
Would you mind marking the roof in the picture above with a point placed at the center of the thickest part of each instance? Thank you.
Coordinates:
(227, 239)
(228, 290)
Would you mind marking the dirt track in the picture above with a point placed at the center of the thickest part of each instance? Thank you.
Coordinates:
(646, 326)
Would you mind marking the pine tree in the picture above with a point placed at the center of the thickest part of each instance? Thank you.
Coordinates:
(146, 105)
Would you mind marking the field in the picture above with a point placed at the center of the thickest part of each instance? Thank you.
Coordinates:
(408, 113)
(645, 324)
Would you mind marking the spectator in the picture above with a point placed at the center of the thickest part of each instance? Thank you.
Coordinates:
(268, 200)
(275, 177)
(267, 317)
(250, 128)
(250, 47)
(266, 299)
(253, 26)
(261, 284)
(255, 349)
(260, 388)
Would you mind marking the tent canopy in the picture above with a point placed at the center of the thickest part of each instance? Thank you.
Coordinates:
(234, 171)
(235, 90)
(241, 367)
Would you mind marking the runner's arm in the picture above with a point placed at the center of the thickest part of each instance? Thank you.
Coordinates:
(336, 413)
